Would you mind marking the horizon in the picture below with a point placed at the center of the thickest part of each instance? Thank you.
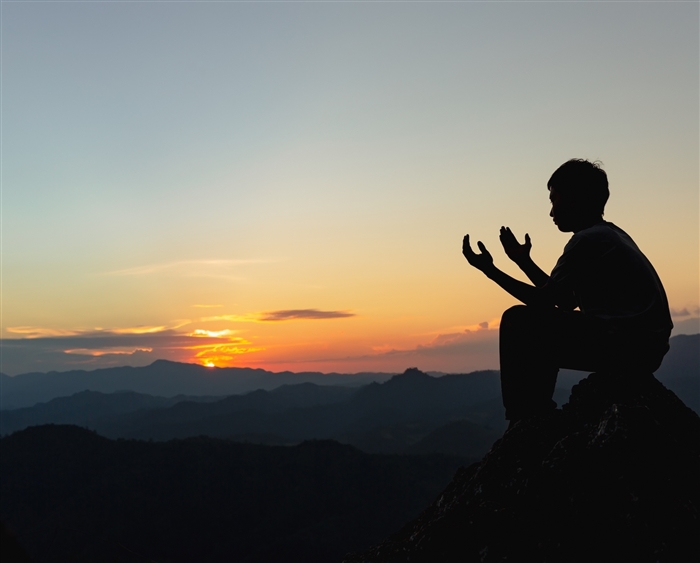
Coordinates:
(393, 373)
(431, 373)
(286, 186)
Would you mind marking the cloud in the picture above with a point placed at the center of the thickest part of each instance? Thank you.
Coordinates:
(42, 332)
(39, 332)
(283, 315)
(685, 312)
(460, 351)
(45, 350)
(306, 314)
(200, 332)
(450, 343)
(139, 330)
(107, 351)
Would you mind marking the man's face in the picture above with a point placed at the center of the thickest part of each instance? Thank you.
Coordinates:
(563, 212)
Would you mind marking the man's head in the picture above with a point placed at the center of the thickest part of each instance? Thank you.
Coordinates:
(578, 190)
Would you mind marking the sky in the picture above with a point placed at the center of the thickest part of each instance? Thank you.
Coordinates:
(286, 185)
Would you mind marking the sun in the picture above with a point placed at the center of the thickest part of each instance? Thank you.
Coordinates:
(210, 365)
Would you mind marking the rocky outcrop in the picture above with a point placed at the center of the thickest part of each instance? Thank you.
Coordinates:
(612, 476)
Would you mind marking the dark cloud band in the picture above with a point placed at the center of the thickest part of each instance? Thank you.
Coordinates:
(307, 314)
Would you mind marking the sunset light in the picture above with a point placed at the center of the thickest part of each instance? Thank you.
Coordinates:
(213, 333)
(276, 274)
(302, 208)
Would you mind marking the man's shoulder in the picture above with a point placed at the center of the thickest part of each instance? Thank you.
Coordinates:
(596, 240)
(604, 231)
(604, 228)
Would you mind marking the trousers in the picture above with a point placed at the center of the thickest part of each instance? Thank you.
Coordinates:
(535, 342)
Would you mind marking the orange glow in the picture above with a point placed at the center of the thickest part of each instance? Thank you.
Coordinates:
(213, 333)
(139, 330)
(222, 355)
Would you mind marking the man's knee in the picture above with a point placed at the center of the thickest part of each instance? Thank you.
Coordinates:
(516, 316)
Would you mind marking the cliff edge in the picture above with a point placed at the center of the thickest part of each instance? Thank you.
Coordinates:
(612, 476)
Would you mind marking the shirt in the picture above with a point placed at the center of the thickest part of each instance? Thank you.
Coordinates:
(603, 272)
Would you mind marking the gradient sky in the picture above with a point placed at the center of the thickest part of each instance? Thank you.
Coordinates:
(286, 184)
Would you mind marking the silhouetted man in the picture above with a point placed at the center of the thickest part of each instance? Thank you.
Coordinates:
(622, 324)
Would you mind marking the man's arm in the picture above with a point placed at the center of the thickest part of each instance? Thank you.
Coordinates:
(520, 254)
(528, 294)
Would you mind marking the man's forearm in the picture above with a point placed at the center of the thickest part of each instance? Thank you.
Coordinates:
(528, 294)
(534, 273)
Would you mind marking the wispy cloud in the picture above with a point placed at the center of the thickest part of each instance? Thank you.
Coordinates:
(40, 332)
(455, 341)
(305, 314)
(32, 332)
(458, 351)
(685, 312)
(45, 350)
(203, 306)
(200, 332)
(138, 330)
(106, 351)
(282, 315)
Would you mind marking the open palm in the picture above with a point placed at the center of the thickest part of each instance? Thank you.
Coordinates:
(514, 250)
(481, 261)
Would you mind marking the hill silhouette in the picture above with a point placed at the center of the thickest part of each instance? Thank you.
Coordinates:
(612, 477)
(71, 495)
(410, 413)
(392, 417)
(541, 484)
(680, 371)
(162, 378)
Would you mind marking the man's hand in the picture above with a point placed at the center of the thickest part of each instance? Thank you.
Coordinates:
(528, 294)
(483, 261)
(517, 252)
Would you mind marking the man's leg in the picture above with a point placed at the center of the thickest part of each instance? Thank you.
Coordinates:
(534, 344)
(528, 373)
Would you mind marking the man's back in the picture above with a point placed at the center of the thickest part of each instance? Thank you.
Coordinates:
(612, 279)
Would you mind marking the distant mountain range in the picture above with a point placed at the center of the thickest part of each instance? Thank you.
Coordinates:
(162, 378)
(168, 379)
(458, 414)
(403, 415)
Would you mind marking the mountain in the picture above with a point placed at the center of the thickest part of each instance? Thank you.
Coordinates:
(88, 408)
(411, 412)
(392, 417)
(461, 438)
(162, 378)
(612, 477)
(344, 414)
(680, 370)
(71, 495)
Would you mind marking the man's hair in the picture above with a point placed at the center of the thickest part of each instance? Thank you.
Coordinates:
(583, 181)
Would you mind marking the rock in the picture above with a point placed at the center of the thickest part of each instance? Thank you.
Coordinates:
(612, 476)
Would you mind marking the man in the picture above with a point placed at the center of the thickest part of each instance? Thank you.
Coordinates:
(623, 322)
